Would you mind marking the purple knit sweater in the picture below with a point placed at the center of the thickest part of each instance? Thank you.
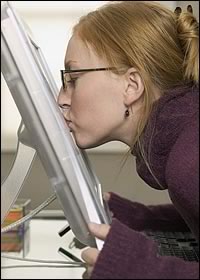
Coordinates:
(171, 146)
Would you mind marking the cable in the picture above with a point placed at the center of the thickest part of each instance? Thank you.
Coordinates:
(39, 260)
(49, 266)
(30, 215)
(62, 264)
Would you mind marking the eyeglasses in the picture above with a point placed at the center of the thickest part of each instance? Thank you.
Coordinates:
(66, 77)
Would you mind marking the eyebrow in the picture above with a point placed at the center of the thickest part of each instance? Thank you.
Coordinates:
(68, 64)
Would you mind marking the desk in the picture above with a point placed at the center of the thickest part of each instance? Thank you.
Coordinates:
(44, 244)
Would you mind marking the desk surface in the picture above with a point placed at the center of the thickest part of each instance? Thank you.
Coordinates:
(44, 244)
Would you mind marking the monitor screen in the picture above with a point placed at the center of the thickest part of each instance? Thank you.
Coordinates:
(35, 92)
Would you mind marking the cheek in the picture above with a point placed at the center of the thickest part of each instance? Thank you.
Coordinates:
(82, 108)
(87, 116)
(87, 102)
(95, 113)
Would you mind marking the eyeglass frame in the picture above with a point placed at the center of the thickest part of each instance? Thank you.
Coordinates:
(69, 71)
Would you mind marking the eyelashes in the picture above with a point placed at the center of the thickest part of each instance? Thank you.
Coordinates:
(72, 81)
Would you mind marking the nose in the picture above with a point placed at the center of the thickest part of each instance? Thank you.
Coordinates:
(63, 100)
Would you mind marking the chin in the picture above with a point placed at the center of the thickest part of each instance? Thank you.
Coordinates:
(81, 143)
(85, 143)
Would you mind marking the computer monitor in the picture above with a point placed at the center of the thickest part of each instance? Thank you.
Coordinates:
(35, 92)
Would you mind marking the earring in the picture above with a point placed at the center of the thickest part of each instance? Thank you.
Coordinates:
(126, 113)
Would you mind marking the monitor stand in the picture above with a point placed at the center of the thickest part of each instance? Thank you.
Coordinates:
(12, 184)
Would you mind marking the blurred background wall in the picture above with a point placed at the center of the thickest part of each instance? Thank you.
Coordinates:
(51, 23)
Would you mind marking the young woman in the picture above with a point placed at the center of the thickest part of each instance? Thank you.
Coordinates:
(131, 74)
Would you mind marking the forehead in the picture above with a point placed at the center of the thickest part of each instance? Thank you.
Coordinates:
(78, 53)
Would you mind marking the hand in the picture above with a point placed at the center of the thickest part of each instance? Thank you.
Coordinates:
(90, 255)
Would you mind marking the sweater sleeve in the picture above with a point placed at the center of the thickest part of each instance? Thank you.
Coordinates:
(128, 254)
(141, 217)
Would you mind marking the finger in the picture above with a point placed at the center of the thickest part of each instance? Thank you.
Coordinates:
(106, 196)
(99, 230)
(90, 256)
(88, 272)
(85, 275)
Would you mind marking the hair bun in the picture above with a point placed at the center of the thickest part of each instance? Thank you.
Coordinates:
(187, 25)
(188, 33)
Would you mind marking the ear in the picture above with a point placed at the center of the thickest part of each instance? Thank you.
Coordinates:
(134, 86)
